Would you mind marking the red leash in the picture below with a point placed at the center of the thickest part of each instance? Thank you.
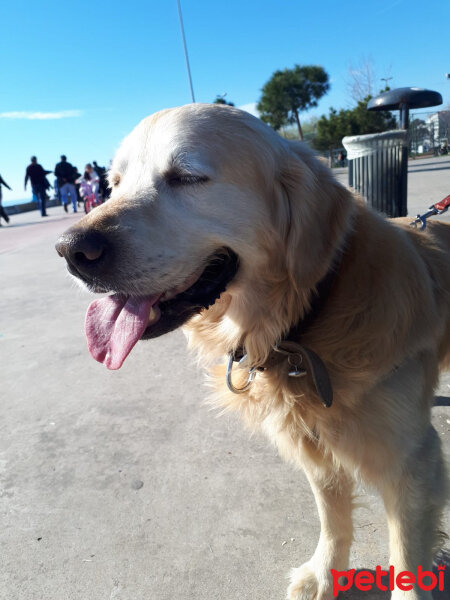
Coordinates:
(435, 209)
(443, 204)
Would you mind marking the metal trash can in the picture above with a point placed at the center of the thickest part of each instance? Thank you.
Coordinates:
(377, 169)
(378, 163)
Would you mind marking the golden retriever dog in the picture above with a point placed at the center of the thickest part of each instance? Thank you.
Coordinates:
(330, 321)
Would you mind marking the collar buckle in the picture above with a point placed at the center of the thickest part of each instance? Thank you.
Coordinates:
(251, 375)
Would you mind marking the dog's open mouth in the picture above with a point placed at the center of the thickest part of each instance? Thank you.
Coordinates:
(114, 324)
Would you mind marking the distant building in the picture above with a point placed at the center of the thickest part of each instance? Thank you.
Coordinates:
(438, 125)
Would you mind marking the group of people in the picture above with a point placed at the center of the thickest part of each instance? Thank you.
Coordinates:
(71, 187)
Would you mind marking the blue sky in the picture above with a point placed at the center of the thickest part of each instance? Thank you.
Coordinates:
(91, 70)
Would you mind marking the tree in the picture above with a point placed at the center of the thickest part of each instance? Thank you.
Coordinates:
(371, 121)
(309, 128)
(289, 92)
(356, 121)
(362, 78)
(331, 130)
(221, 100)
(418, 132)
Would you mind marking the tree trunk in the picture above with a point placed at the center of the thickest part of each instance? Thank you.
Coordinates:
(300, 130)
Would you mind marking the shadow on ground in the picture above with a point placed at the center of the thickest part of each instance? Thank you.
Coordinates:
(54, 219)
(431, 169)
(441, 401)
(428, 164)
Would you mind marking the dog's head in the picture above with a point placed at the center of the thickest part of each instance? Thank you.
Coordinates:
(209, 210)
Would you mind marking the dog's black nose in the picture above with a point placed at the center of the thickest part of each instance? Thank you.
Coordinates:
(83, 249)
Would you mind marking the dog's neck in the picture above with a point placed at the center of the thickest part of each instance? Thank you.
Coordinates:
(262, 308)
(236, 321)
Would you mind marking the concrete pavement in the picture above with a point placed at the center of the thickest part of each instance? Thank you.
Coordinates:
(124, 485)
(428, 182)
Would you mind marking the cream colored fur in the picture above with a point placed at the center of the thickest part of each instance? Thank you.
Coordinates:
(382, 334)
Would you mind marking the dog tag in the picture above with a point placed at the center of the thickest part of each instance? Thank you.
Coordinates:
(296, 372)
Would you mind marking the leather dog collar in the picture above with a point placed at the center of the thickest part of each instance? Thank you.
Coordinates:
(300, 359)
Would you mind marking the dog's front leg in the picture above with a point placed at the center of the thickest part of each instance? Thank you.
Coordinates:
(414, 503)
(333, 490)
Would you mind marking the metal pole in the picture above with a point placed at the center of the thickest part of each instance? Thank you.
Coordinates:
(185, 50)
(404, 116)
(403, 124)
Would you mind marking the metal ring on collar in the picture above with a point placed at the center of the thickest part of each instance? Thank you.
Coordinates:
(251, 376)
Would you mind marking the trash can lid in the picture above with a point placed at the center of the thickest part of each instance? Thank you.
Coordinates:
(413, 97)
(358, 146)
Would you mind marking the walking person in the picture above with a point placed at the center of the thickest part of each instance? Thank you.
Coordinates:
(3, 212)
(91, 175)
(89, 188)
(103, 180)
(39, 184)
(76, 176)
(65, 176)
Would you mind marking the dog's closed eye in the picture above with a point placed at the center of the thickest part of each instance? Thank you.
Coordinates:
(175, 178)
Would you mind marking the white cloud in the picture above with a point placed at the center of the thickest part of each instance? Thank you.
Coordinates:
(250, 108)
(28, 114)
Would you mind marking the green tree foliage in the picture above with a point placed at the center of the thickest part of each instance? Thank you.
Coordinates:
(356, 121)
(309, 127)
(289, 92)
(221, 100)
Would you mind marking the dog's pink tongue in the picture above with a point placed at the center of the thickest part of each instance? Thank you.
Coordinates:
(113, 326)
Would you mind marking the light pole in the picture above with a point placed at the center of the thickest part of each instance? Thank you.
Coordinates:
(386, 79)
(180, 16)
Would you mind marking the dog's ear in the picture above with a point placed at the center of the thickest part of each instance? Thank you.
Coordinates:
(318, 210)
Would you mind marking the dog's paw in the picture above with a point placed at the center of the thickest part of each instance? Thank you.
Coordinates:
(307, 585)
